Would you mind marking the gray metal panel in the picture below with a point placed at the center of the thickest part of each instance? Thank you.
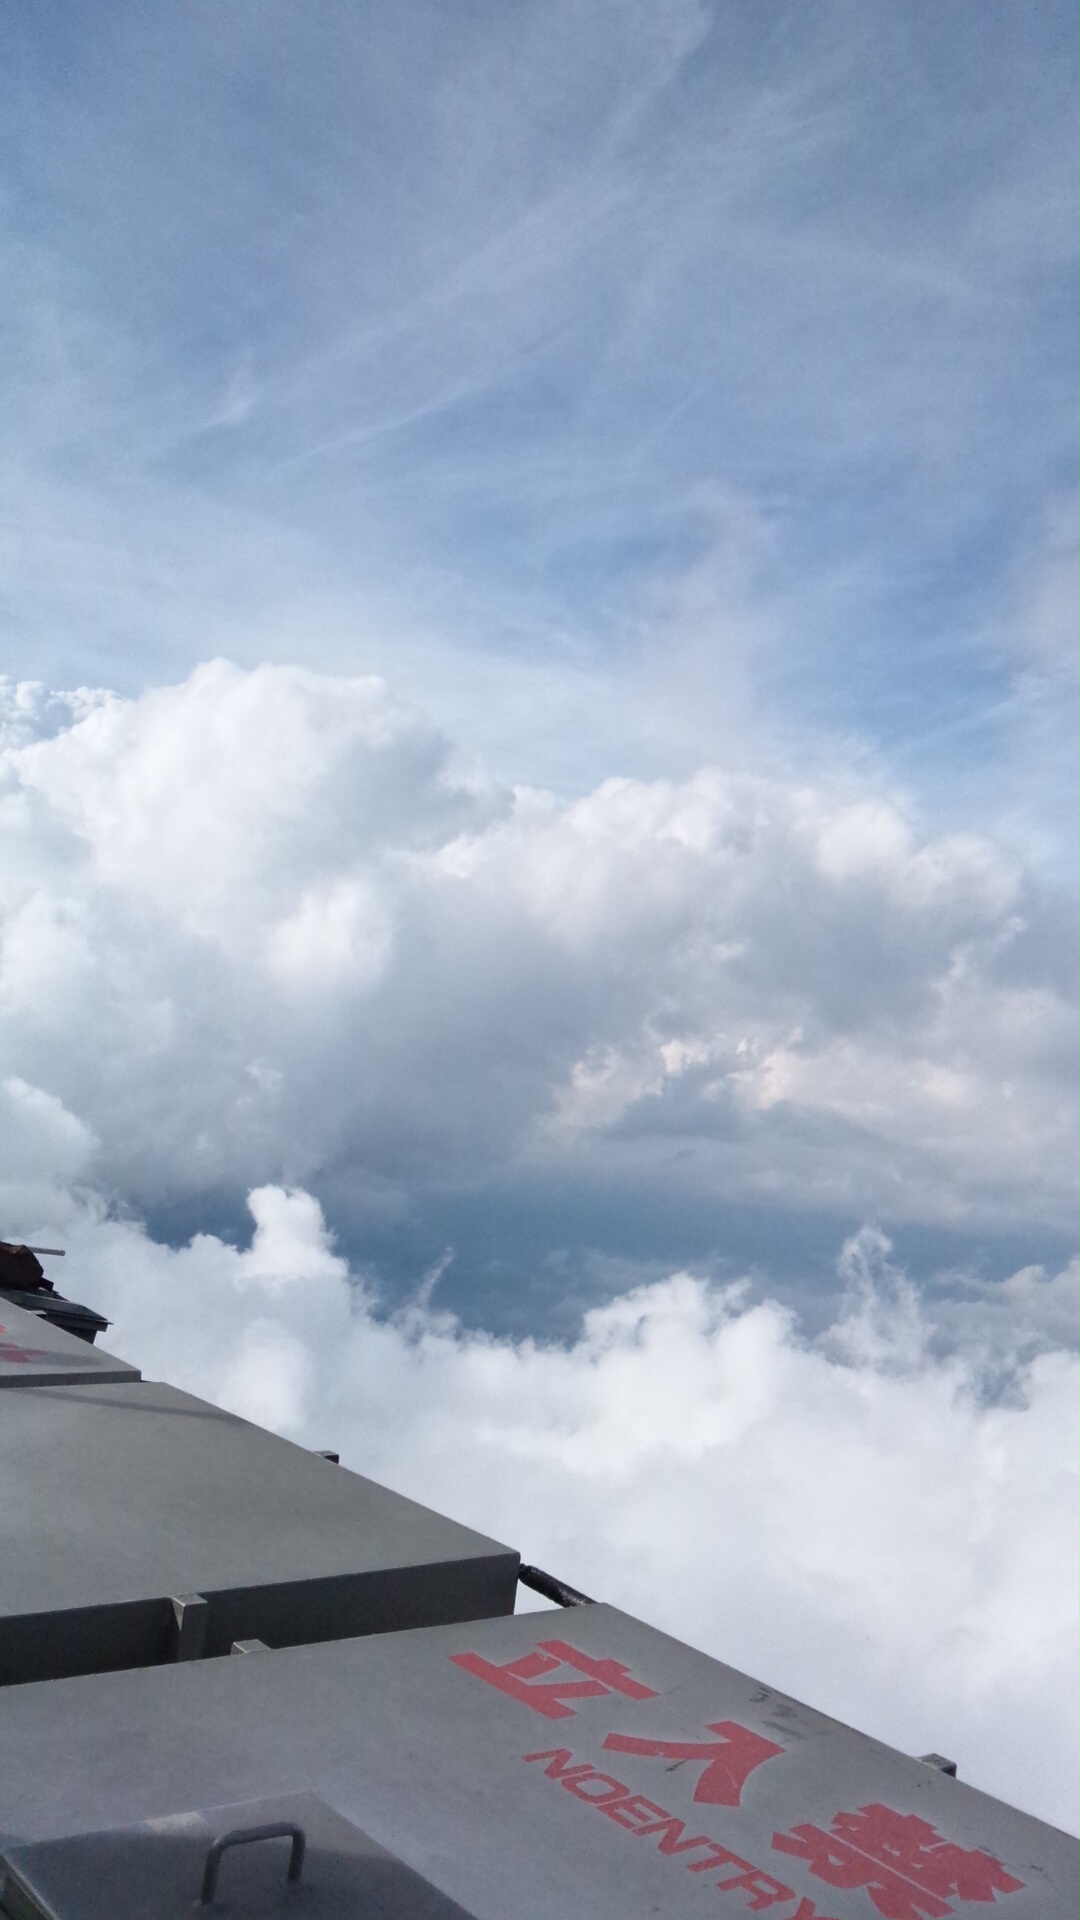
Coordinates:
(155, 1870)
(35, 1354)
(518, 1796)
(70, 1315)
(116, 1501)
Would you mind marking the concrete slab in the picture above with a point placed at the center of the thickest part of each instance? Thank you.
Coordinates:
(35, 1354)
(543, 1766)
(138, 1524)
(252, 1855)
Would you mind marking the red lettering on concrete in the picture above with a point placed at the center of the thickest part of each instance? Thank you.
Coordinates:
(525, 1678)
(19, 1356)
(635, 1814)
(671, 1831)
(916, 1850)
(630, 1812)
(611, 1673)
(720, 1857)
(518, 1678)
(730, 1760)
(907, 1868)
(763, 1888)
(558, 1759)
(609, 1789)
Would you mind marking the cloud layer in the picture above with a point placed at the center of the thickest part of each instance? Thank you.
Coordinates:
(270, 925)
(886, 1530)
(675, 400)
(268, 932)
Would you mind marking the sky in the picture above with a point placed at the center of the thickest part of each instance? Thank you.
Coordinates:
(538, 782)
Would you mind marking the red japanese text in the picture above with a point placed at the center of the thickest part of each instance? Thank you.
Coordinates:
(525, 1679)
(907, 1869)
(729, 1760)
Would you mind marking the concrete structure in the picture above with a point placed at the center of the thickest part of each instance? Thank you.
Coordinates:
(138, 1525)
(392, 1741)
(23, 1284)
(35, 1353)
(569, 1765)
(161, 1867)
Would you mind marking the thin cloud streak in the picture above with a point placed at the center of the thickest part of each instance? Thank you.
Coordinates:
(506, 306)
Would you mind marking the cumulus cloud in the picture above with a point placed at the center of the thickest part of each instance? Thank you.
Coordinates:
(264, 928)
(865, 1519)
(262, 925)
(268, 930)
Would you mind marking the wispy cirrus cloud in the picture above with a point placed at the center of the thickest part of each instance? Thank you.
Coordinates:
(509, 311)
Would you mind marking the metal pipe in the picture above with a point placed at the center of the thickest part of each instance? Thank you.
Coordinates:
(553, 1589)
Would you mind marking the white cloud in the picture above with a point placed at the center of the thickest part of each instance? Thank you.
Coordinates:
(850, 1518)
(216, 801)
(259, 925)
(339, 933)
(637, 402)
(264, 922)
(39, 1133)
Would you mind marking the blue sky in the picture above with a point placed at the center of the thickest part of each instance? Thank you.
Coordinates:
(635, 389)
(537, 787)
(544, 353)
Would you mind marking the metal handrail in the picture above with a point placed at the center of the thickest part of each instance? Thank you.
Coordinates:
(239, 1837)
